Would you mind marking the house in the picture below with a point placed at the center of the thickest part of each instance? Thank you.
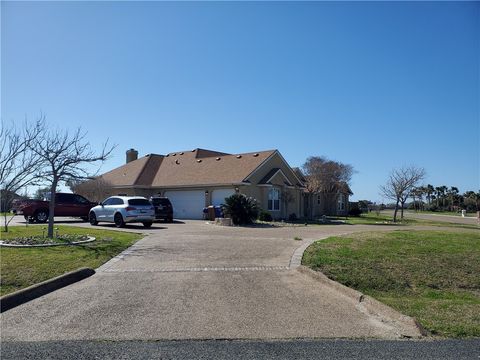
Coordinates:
(197, 178)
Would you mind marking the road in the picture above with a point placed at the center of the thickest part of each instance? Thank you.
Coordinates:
(222, 349)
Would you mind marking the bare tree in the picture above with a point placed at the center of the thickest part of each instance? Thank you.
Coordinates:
(66, 156)
(96, 189)
(18, 164)
(400, 184)
(326, 176)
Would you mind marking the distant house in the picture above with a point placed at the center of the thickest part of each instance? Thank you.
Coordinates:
(197, 178)
(334, 203)
(6, 199)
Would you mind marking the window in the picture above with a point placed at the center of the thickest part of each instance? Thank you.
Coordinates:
(274, 199)
(64, 198)
(319, 199)
(117, 201)
(113, 201)
(108, 201)
(80, 200)
(341, 202)
(139, 202)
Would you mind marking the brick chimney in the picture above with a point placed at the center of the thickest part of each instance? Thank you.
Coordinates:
(132, 155)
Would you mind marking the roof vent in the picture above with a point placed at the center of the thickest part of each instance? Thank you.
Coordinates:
(181, 153)
(167, 155)
(217, 159)
(174, 154)
(177, 162)
(239, 156)
(194, 150)
(255, 155)
(199, 160)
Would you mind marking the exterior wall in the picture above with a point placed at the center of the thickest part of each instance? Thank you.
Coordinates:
(260, 192)
(328, 205)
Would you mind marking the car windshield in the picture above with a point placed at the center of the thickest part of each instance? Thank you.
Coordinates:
(139, 202)
(160, 201)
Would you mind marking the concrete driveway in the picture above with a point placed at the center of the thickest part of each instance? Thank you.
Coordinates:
(194, 280)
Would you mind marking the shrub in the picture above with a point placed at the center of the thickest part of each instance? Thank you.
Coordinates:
(292, 217)
(264, 216)
(241, 209)
(354, 211)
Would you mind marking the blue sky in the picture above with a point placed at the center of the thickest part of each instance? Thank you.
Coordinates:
(374, 84)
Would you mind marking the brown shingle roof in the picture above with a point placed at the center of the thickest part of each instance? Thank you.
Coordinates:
(126, 175)
(187, 168)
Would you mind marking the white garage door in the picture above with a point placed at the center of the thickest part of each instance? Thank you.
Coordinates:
(187, 204)
(219, 195)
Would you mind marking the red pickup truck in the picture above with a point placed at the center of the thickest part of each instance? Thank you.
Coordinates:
(65, 205)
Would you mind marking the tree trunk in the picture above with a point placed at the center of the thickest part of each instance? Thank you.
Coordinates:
(51, 208)
(402, 205)
(395, 213)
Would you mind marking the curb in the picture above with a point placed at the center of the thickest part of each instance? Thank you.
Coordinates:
(409, 327)
(22, 296)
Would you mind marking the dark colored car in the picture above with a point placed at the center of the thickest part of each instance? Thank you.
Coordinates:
(163, 208)
(66, 204)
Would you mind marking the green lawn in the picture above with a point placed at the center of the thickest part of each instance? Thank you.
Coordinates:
(384, 219)
(24, 267)
(430, 275)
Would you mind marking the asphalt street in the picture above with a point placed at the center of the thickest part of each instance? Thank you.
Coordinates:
(224, 349)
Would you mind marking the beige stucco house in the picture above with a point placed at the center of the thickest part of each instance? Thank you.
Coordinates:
(197, 178)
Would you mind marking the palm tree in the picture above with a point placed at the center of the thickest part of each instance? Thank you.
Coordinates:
(429, 190)
(452, 193)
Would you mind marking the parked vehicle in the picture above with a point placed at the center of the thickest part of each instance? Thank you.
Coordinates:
(66, 204)
(123, 209)
(163, 208)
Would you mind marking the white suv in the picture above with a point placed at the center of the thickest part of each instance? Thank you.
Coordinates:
(123, 209)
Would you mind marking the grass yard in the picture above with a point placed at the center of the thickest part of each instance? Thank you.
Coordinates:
(20, 268)
(384, 219)
(430, 275)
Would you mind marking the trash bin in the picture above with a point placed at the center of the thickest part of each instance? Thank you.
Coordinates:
(211, 213)
(218, 211)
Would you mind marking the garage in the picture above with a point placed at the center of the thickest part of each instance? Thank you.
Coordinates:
(187, 204)
(219, 195)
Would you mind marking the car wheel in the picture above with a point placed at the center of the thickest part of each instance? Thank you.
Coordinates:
(93, 219)
(147, 224)
(41, 216)
(170, 220)
(118, 219)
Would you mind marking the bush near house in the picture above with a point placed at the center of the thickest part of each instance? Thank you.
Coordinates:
(241, 209)
(265, 216)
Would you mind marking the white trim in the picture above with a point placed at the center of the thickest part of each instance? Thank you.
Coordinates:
(273, 200)
(275, 174)
(289, 167)
(284, 162)
(265, 185)
(261, 164)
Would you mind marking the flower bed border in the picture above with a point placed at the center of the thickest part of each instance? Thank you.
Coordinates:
(90, 239)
